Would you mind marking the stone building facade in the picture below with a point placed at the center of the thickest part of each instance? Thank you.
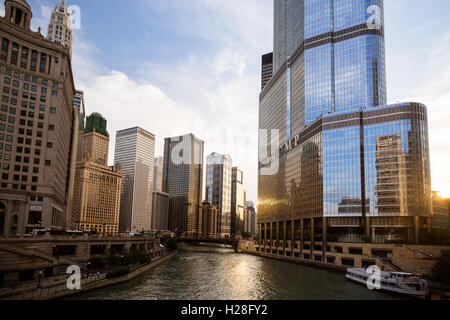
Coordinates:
(38, 126)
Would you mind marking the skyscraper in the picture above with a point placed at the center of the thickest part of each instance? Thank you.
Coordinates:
(183, 181)
(250, 219)
(160, 212)
(237, 201)
(340, 149)
(96, 196)
(38, 126)
(218, 189)
(135, 151)
(209, 220)
(78, 103)
(158, 174)
(60, 26)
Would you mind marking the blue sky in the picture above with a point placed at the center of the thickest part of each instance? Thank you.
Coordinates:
(179, 66)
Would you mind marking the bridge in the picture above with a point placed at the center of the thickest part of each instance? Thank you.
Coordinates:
(195, 241)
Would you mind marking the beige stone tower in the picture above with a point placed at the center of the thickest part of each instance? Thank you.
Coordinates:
(96, 199)
(37, 133)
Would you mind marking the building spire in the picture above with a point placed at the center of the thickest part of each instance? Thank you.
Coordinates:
(60, 25)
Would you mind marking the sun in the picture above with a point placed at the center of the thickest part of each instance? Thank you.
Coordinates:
(444, 193)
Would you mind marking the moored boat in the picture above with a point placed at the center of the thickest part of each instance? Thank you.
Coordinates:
(395, 282)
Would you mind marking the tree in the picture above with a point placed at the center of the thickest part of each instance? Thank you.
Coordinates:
(112, 258)
(171, 244)
(441, 271)
(98, 262)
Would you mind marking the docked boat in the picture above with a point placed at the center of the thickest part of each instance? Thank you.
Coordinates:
(395, 282)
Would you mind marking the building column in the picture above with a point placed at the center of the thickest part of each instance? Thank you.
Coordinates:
(302, 236)
(428, 226)
(277, 234)
(13, 15)
(416, 230)
(265, 235)
(292, 237)
(367, 229)
(271, 236)
(284, 237)
(260, 237)
(312, 238)
(324, 239)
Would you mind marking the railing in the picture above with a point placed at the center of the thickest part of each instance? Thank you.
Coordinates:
(389, 264)
(420, 252)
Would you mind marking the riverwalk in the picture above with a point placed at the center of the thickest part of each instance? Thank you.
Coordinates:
(58, 289)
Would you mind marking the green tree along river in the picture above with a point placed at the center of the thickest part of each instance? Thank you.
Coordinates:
(224, 275)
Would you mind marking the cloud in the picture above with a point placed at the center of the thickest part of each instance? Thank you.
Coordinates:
(213, 95)
(212, 100)
(42, 19)
(2, 10)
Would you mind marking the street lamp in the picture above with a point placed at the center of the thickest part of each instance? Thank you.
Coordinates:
(39, 280)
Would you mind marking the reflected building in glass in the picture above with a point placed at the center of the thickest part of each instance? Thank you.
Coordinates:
(350, 168)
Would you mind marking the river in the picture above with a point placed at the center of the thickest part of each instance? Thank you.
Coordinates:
(224, 275)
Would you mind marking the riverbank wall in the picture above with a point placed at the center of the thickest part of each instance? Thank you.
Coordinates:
(88, 284)
(309, 263)
(414, 259)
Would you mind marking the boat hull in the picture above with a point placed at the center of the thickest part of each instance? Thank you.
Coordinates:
(408, 293)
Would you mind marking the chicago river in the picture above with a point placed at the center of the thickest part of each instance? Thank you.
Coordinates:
(228, 275)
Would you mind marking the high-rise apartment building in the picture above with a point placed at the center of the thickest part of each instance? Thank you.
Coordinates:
(158, 174)
(60, 26)
(38, 126)
(345, 167)
(183, 181)
(135, 151)
(237, 201)
(218, 189)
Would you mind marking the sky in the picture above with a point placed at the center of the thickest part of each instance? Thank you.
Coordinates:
(193, 66)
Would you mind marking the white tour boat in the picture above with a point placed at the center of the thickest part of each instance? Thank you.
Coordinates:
(396, 282)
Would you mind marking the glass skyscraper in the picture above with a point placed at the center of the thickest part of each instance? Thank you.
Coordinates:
(350, 168)
(135, 152)
(183, 181)
(218, 189)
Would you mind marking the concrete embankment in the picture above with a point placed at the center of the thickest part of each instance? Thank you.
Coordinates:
(88, 284)
(315, 264)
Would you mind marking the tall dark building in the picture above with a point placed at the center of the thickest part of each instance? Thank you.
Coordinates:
(350, 168)
(183, 181)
